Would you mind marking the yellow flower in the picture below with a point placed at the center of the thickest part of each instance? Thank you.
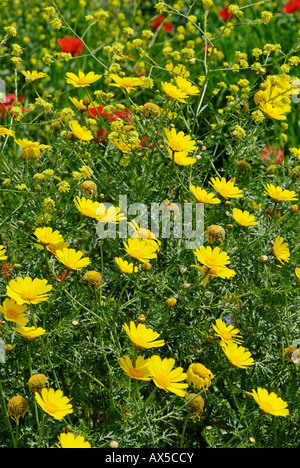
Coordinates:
(179, 142)
(128, 83)
(199, 376)
(280, 250)
(202, 196)
(226, 189)
(143, 233)
(181, 159)
(212, 258)
(111, 215)
(14, 312)
(69, 441)
(243, 218)
(295, 152)
(81, 133)
(278, 194)
(167, 378)
(78, 104)
(81, 80)
(28, 291)
(237, 355)
(186, 86)
(270, 403)
(226, 332)
(2, 253)
(86, 207)
(140, 249)
(297, 273)
(218, 271)
(54, 403)
(139, 371)
(30, 333)
(30, 77)
(6, 132)
(274, 111)
(142, 337)
(46, 236)
(17, 407)
(30, 148)
(72, 259)
(173, 92)
(124, 266)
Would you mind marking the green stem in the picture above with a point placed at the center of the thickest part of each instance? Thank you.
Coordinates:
(6, 416)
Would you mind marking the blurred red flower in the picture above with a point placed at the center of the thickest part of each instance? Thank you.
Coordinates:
(291, 6)
(225, 14)
(272, 154)
(71, 45)
(6, 103)
(124, 114)
(7, 270)
(158, 20)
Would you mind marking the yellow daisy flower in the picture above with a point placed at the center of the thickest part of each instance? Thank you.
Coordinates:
(30, 333)
(54, 403)
(270, 403)
(30, 148)
(124, 266)
(14, 312)
(46, 236)
(143, 233)
(243, 218)
(278, 194)
(69, 441)
(30, 77)
(275, 111)
(140, 249)
(128, 83)
(186, 86)
(181, 158)
(226, 332)
(142, 337)
(6, 132)
(226, 189)
(212, 258)
(2, 253)
(280, 250)
(78, 103)
(86, 207)
(81, 80)
(139, 371)
(111, 215)
(81, 133)
(179, 142)
(202, 196)
(72, 259)
(237, 355)
(199, 376)
(173, 92)
(28, 291)
(297, 273)
(167, 378)
(216, 272)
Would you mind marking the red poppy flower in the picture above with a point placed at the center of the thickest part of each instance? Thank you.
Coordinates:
(225, 14)
(100, 136)
(6, 104)
(158, 20)
(71, 45)
(114, 115)
(272, 155)
(292, 6)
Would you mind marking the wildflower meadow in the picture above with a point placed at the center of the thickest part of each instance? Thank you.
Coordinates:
(149, 240)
